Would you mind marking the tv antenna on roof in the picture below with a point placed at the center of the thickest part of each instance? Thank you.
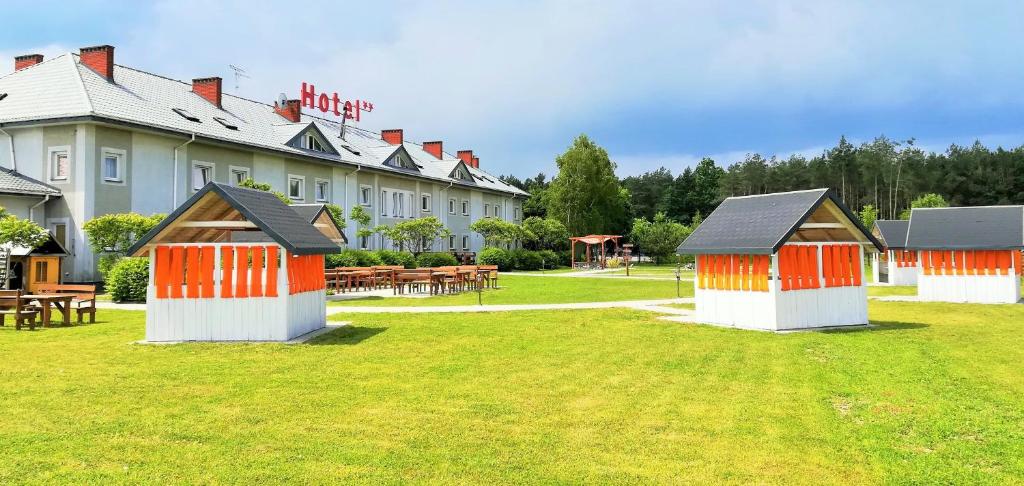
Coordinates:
(239, 74)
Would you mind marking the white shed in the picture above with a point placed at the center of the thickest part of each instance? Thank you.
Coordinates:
(894, 265)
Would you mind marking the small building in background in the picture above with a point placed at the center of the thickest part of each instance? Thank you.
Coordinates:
(894, 265)
(782, 261)
(207, 285)
(968, 254)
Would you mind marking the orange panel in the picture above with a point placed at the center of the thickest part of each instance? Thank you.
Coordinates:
(209, 255)
(969, 262)
(926, 263)
(826, 265)
(192, 272)
(844, 265)
(163, 265)
(227, 257)
(744, 273)
(812, 264)
(734, 271)
(990, 258)
(855, 264)
(1017, 261)
(958, 262)
(177, 269)
(1003, 262)
(256, 287)
(242, 272)
(838, 272)
(803, 261)
(272, 271)
(785, 263)
(321, 279)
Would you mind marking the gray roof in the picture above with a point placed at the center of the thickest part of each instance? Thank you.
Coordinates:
(61, 88)
(310, 212)
(893, 232)
(966, 228)
(266, 211)
(12, 182)
(760, 224)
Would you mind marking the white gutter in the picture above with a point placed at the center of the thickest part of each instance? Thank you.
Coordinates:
(14, 161)
(36, 205)
(174, 191)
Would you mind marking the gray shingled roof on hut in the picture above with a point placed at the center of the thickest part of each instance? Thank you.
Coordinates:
(892, 232)
(966, 228)
(310, 212)
(13, 182)
(762, 224)
(268, 213)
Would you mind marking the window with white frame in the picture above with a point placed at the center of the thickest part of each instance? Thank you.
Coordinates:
(451, 206)
(60, 164)
(323, 190)
(397, 207)
(365, 195)
(296, 187)
(313, 143)
(515, 214)
(202, 174)
(238, 175)
(425, 203)
(487, 210)
(497, 211)
(451, 242)
(465, 242)
(383, 203)
(411, 207)
(465, 207)
(113, 165)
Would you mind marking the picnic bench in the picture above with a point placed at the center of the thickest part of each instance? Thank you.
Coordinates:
(83, 300)
(12, 303)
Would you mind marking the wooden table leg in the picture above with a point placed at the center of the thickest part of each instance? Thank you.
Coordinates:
(46, 313)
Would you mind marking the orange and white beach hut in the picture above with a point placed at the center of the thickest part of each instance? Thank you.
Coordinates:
(234, 264)
(781, 261)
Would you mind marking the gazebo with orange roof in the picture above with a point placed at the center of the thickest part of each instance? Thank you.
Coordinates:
(591, 240)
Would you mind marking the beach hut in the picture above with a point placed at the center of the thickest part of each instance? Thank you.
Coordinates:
(894, 265)
(234, 264)
(782, 261)
(968, 254)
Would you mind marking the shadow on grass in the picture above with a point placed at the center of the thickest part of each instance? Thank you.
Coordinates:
(883, 326)
(347, 336)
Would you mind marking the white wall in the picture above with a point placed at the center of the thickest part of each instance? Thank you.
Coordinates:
(153, 160)
(980, 289)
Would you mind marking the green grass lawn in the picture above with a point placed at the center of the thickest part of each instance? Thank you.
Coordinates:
(887, 290)
(521, 289)
(933, 394)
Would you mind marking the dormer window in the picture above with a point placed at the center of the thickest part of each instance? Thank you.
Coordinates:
(400, 161)
(186, 115)
(312, 143)
(225, 123)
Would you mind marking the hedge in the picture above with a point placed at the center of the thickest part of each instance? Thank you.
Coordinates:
(436, 259)
(495, 256)
(127, 280)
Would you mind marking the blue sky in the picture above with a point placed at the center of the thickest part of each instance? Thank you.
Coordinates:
(656, 83)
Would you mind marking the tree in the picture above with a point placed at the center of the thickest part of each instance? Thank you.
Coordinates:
(417, 235)
(658, 238)
(111, 235)
(868, 215)
(680, 198)
(498, 232)
(929, 200)
(363, 218)
(262, 186)
(648, 193)
(586, 195)
(548, 234)
(707, 178)
(337, 214)
(21, 232)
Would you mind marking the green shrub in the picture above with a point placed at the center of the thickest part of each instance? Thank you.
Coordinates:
(392, 257)
(564, 258)
(526, 260)
(127, 280)
(352, 258)
(495, 256)
(550, 258)
(436, 259)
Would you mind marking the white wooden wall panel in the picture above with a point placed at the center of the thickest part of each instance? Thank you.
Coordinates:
(979, 289)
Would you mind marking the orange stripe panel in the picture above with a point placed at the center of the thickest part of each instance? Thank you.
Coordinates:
(812, 263)
(969, 262)
(1017, 261)
(241, 272)
(838, 272)
(804, 260)
(206, 271)
(990, 257)
(256, 289)
(1003, 262)
(826, 265)
(227, 258)
(192, 272)
(844, 265)
(856, 264)
(744, 274)
(782, 262)
(734, 271)
(958, 262)
(271, 271)
(926, 262)
(177, 269)
(163, 265)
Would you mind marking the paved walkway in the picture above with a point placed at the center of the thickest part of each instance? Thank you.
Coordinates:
(651, 305)
(591, 274)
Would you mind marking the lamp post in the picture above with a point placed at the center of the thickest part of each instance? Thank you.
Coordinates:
(679, 272)
(627, 253)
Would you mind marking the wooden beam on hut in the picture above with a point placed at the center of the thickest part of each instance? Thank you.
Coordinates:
(217, 224)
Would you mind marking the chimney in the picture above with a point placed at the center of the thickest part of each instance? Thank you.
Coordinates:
(209, 89)
(99, 59)
(476, 162)
(292, 110)
(393, 136)
(22, 62)
(433, 148)
(466, 156)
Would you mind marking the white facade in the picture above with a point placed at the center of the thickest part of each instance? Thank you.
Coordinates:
(978, 289)
(896, 275)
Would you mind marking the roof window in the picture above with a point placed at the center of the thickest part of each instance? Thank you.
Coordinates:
(2, 96)
(227, 124)
(186, 115)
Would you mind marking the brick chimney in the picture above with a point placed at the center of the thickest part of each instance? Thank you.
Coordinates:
(292, 110)
(433, 148)
(99, 59)
(209, 89)
(22, 62)
(393, 136)
(476, 162)
(466, 156)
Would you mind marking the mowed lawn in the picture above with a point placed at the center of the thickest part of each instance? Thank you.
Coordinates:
(933, 394)
(522, 289)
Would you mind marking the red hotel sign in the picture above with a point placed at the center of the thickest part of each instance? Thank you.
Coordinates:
(332, 103)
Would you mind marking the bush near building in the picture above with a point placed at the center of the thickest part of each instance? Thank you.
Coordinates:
(436, 259)
(495, 256)
(127, 280)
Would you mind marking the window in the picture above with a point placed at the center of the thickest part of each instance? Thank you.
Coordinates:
(398, 205)
(239, 175)
(186, 115)
(323, 190)
(60, 233)
(451, 242)
(451, 207)
(60, 164)
(312, 143)
(425, 203)
(202, 174)
(383, 203)
(112, 167)
(41, 270)
(364, 242)
(515, 214)
(227, 124)
(497, 211)
(296, 187)
(465, 207)
(365, 195)
(465, 242)
(487, 209)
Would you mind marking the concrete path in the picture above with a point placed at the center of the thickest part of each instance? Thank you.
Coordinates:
(621, 276)
(651, 305)
(114, 305)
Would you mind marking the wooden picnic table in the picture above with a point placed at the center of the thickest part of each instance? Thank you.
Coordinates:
(61, 301)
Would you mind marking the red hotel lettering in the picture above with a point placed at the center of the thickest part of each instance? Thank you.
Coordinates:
(333, 103)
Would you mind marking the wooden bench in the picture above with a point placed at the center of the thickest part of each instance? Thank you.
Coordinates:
(12, 304)
(416, 279)
(491, 275)
(84, 301)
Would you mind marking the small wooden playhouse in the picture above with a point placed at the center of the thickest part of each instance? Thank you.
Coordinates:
(968, 254)
(235, 264)
(780, 262)
(895, 264)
